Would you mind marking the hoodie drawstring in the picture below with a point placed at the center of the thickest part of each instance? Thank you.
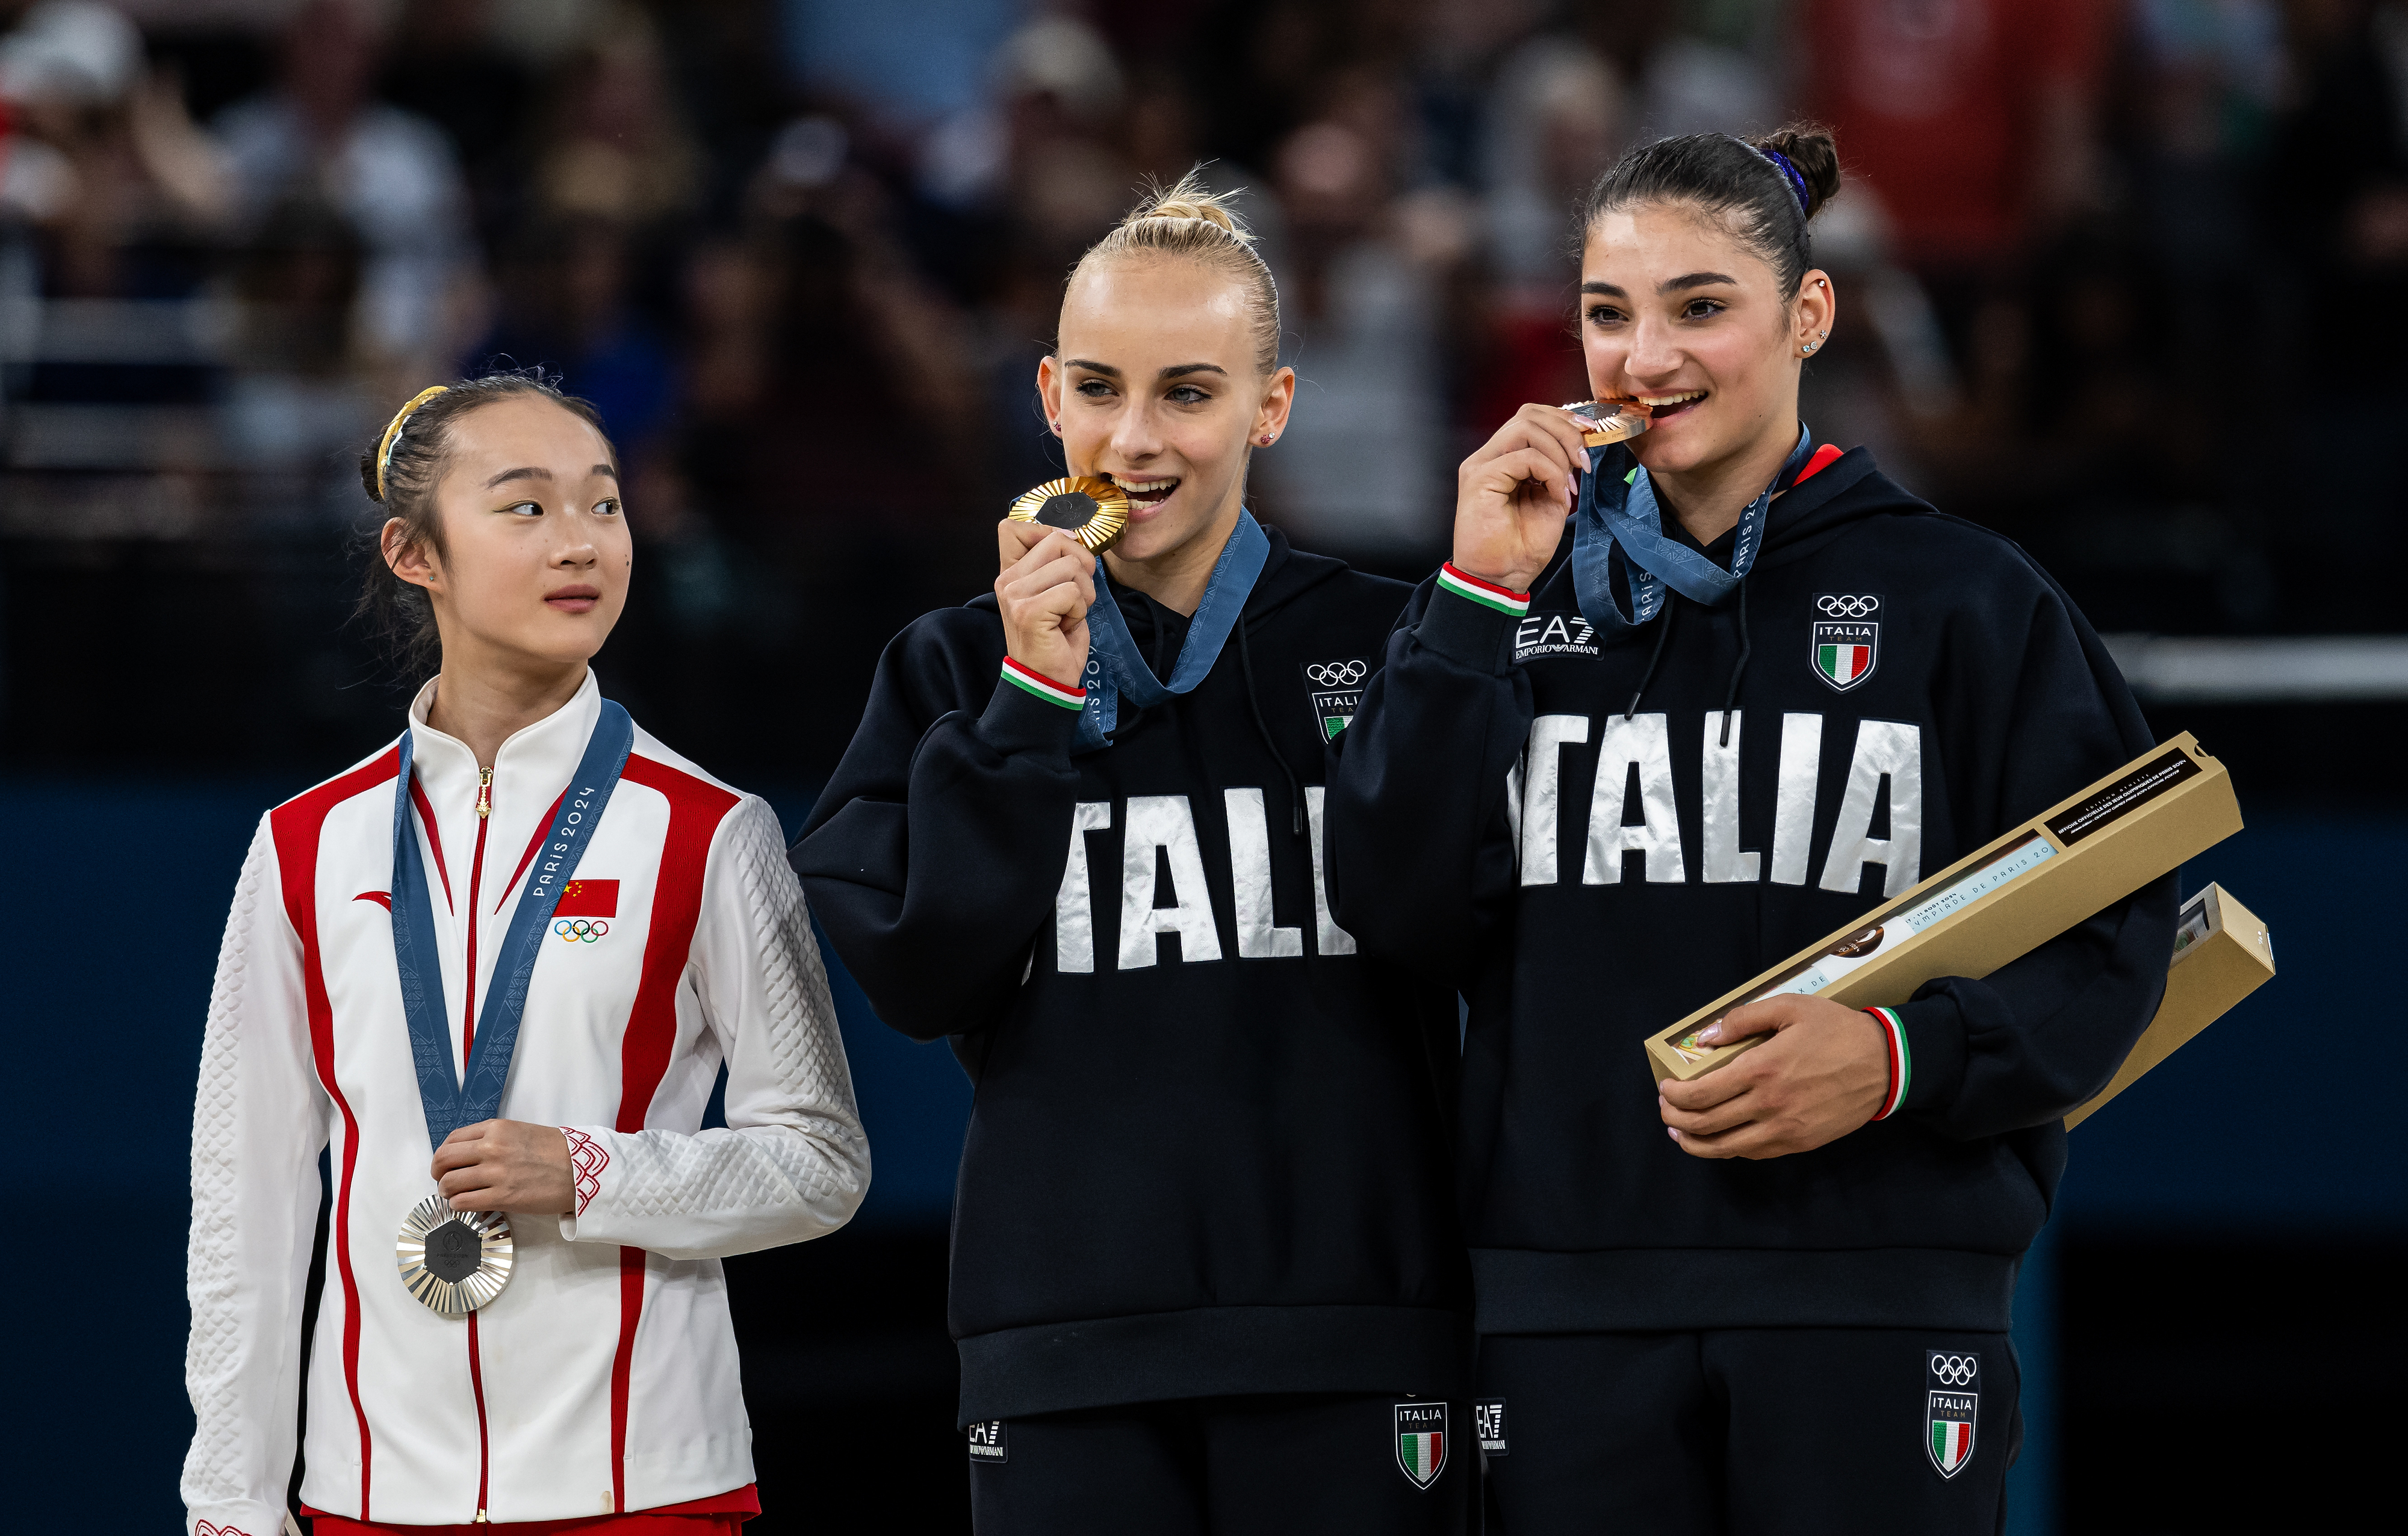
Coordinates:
(1740, 670)
(1671, 602)
(1295, 791)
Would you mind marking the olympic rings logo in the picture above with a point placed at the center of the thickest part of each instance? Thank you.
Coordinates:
(1847, 608)
(580, 931)
(1956, 1370)
(1337, 674)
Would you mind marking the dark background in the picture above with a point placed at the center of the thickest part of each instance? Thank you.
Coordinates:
(2125, 279)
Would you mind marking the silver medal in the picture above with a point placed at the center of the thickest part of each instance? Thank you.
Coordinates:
(453, 1261)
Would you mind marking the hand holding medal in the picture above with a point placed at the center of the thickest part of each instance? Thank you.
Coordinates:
(1047, 546)
(457, 1261)
(1514, 494)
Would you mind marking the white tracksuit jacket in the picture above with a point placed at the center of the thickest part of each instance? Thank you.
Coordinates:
(604, 1377)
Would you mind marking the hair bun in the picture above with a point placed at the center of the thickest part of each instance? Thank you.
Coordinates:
(1810, 147)
(1190, 198)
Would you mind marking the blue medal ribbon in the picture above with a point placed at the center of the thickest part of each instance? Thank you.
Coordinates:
(1113, 664)
(451, 1104)
(1624, 509)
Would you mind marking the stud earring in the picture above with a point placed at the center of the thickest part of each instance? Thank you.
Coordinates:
(1808, 348)
(1265, 439)
(1057, 426)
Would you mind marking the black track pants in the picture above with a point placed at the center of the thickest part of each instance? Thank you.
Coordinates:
(1751, 1432)
(1256, 1466)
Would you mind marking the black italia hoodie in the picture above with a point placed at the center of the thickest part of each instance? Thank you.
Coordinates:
(1209, 1148)
(1552, 817)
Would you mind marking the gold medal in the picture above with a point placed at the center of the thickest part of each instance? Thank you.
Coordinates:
(1603, 422)
(453, 1261)
(1090, 510)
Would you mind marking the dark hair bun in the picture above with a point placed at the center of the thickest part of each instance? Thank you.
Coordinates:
(1808, 146)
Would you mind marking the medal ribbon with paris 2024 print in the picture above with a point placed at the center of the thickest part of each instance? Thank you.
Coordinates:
(435, 1259)
(1113, 664)
(1623, 508)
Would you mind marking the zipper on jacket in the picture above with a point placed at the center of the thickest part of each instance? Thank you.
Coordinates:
(477, 1381)
(484, 797)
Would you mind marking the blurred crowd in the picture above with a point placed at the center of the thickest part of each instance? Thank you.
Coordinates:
(804, 254)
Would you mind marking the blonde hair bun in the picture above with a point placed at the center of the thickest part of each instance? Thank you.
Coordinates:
(1192, 222)
(1190, 198)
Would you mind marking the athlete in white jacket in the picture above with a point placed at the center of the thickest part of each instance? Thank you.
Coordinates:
(602, 1379)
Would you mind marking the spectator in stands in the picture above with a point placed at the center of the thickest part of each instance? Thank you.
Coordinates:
(1555, 115)
(130, 194)
(565, 305)
(613, 145)
(1367, 276)
(446, 64)
(1972, 123)
(320, 133)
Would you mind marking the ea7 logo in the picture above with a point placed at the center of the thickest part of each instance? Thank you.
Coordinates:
(1847, 646)
(1554, 635)
(1488, 1422)
(987, 1443)
(1951, 1390)
(1336, 690)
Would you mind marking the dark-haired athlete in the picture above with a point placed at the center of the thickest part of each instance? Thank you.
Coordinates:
(1605, 778)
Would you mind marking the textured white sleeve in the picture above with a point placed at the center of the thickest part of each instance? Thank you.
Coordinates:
(792, 1162)
(258, 1122)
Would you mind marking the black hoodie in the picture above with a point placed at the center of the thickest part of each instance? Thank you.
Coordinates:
(1211, 1159)
(1957, 694)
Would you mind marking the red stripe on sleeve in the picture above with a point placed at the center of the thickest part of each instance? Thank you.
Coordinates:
(297, 825)
(696, 808)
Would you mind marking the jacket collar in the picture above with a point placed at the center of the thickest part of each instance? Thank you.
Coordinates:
(532, 768)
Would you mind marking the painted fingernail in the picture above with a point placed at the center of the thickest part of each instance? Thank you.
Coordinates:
(1671, 1132)
(1589, 461)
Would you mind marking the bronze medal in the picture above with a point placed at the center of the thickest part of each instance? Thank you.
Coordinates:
(1089, 509)
(1603, 422)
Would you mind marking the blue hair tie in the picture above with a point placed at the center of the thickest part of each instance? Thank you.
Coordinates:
(1788, 171)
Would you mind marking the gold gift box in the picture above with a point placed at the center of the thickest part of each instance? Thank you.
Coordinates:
(2222, 954)
(1998, 903)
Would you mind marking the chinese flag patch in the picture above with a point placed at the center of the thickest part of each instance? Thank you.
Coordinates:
(588, 899)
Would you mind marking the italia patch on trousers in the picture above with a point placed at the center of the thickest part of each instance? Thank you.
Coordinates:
(1953, 1390)
(1844, 648)
(1421, 1441)
(1336, 690)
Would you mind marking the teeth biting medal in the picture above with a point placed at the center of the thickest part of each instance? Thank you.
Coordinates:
(1603, 422)
(1090, 509)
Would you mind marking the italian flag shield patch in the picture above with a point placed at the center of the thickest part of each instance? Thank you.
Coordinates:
(1953, 1389)
(1952, 1441)
(1421, 1441)
(1844, 653)
(1845, 663)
